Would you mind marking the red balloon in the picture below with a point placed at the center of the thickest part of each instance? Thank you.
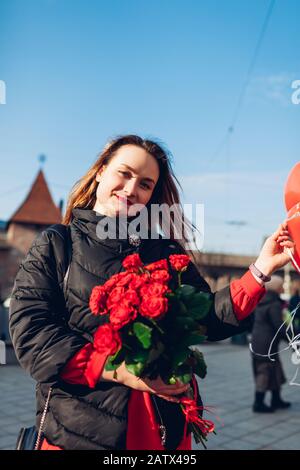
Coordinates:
(293, 222)
(292, 188)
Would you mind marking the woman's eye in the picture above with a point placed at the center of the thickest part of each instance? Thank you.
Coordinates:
(126, 174)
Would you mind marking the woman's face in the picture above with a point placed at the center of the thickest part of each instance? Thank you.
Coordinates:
(129, 178)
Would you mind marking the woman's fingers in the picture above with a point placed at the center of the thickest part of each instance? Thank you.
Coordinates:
(284, 239)
(168, 398)
(166, 390)
(158, 386)
(282, 236)
(281, 230)
(172, 391)
(177, 391)
(288, 244)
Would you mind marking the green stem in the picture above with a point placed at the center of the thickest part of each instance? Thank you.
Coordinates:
(179, 278)
(156, 326)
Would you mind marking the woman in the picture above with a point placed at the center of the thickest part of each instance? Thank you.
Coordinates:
(55, 335)
(266, 335)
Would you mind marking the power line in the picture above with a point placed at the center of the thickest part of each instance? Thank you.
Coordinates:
(61, 186)
(252, 63)
(231, 127)
(14, 190)
(24, 186)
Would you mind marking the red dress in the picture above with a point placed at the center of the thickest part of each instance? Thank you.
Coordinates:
(86, 368)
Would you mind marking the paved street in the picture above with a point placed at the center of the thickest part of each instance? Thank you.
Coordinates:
(228, 387)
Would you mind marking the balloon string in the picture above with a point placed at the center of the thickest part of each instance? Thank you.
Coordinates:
(293, 259)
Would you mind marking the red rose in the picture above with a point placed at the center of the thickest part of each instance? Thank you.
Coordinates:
(124, 279)
(132, 262)
(107, 340)
(179, 262)
(122, 314)
(112, 282)
(153, 307)
(154, 289)
(138, 281)
(97, 301)
(132, 297)
(115, 296)
(161, 264)
(160, 275)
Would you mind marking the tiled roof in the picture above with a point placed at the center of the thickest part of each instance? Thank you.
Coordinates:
(38, 207)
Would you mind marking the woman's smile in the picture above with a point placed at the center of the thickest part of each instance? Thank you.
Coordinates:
(123, 200)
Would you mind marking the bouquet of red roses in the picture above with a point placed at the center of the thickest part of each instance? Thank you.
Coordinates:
(152, 328)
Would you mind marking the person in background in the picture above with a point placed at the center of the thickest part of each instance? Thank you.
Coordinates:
(293, 303)
(268, 375)
(294, 300)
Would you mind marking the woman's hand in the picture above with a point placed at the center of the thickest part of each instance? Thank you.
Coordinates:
(274, 254)
(157, 386)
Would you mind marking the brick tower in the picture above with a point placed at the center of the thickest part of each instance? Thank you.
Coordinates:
(37, 212)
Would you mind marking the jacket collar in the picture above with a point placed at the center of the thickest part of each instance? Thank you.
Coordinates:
(88, 222)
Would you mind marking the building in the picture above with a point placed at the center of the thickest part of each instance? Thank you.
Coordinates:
(36, 212)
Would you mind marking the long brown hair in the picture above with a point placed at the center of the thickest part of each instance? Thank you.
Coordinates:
(83, 194)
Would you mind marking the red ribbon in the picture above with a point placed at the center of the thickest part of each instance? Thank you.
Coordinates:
(191, 412)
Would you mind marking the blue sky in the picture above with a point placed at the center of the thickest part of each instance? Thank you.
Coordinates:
(78, 73)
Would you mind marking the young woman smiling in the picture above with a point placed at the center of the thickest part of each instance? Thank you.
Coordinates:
(53, 329)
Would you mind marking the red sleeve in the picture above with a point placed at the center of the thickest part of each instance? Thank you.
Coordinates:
(245, 292)
(85, 367)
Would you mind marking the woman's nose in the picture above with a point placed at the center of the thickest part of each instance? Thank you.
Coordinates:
(131, 187)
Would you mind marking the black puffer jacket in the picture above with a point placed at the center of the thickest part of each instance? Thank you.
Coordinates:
(47, 331)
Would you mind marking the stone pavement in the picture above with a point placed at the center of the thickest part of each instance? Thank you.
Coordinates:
(228, 387)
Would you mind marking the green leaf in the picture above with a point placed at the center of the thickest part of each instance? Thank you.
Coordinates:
(196, 304)
(200, 306)
(185, 290)
(119, 357)
(199, 298)
(193, 339)
(180, 356)
(186, 322)
(115, 360)
(109, 365)
(140, 356)
(199, 367)
(185, 378)
(172, 380)
(198, 313)
(135, 369)
(182, 310)
(184, 372)
(156, 352)
(170, 295)
(143, 334)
